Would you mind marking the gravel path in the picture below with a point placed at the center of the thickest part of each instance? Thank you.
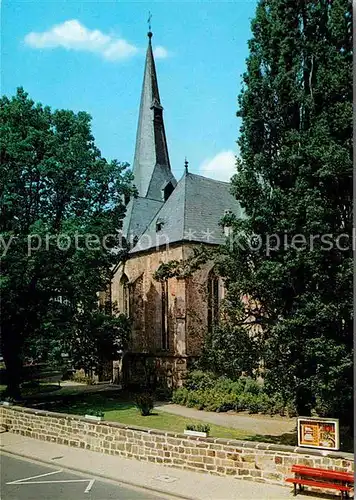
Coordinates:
(256, 424)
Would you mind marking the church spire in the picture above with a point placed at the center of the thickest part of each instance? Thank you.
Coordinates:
(151, 167)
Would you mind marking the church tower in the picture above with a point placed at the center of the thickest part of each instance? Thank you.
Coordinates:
(151, 168)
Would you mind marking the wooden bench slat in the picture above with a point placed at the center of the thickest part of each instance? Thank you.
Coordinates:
(309, 482)
(306, 467)
(331, 475)
(327, 473)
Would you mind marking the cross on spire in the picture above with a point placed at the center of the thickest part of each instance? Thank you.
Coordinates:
(149, 24)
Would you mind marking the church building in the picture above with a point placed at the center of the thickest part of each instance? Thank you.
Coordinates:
(166, 220)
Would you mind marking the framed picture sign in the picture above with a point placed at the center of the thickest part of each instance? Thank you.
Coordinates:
(321, 433)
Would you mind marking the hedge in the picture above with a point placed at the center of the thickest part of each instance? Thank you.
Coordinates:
(205, 391)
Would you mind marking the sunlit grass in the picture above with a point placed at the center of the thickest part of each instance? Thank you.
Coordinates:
(125, 412)
(167, 422)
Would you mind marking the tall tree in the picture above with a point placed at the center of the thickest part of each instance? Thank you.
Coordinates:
(62, 207)
(293, 252)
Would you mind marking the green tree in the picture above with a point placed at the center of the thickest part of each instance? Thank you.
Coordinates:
(62, 208)
(101, 337)
(231, 348)
(294, 178)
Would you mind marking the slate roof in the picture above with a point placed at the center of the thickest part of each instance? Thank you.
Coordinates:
(160, 178)
(151, 166)
(139, 213)
(192, 213)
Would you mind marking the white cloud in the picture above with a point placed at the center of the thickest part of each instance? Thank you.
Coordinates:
(221, 167)
(72, 35)
(160, 52)
(119, 49)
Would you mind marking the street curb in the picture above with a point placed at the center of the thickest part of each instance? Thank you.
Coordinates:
(98, 475)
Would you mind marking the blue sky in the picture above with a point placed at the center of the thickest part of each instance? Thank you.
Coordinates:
(94, 61)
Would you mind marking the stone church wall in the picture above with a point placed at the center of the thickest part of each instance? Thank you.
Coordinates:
(186, 312)
(146, 298)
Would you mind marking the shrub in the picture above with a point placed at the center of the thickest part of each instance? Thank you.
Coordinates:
(194, 399)
(278, 405)
(291, 409)
(210, 400)
(144, 403)
(241, 402)
(198, 428)
(8, 399)
(180, 396)
(224, 401)
(95, 413)
(265, 403)
(253, 403)
(198, 379)
(205, 391)
(251, 386)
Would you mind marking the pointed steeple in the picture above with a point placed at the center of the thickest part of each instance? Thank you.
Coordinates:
(151, 167)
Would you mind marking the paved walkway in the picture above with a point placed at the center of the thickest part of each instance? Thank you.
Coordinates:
(256, 424)
(169, 481)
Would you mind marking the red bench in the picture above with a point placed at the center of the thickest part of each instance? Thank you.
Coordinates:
(321, 478)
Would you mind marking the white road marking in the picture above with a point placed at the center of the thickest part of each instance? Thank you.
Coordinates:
(35, 477)
(51, 482)
(28, 480)
(89, 487)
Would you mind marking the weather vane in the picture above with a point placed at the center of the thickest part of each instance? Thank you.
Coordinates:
(149, 20)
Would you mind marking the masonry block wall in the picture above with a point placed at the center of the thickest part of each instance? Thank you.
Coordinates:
(186, 312)
(146, 298)
(259, 462)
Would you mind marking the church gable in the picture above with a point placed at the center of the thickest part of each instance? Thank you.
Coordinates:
(192, 213)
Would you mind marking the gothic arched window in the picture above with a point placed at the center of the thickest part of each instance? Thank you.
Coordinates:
(214, 299)
(125, 295)
(165, 330)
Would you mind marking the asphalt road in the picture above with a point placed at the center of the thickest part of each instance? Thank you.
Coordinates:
(22, 479)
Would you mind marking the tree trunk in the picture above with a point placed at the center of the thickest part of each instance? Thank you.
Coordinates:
(11, 351)
(303, 402)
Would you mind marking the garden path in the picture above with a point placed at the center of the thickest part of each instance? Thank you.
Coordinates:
(254, 424)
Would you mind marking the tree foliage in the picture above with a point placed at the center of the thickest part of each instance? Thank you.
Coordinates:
(101, 337)
(62, 207)
(185, 268)
(231, 351)
(294, 178)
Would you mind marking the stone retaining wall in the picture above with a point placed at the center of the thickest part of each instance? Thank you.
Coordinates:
(246, 460)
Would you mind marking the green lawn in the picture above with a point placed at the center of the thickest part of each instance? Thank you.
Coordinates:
(125, 412)
(116, 407)
(166, 421)
(120, 407)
